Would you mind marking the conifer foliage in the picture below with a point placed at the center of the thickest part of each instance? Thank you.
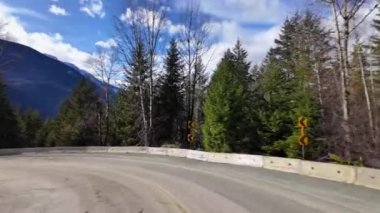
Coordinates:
(170, 100)
(226, 127)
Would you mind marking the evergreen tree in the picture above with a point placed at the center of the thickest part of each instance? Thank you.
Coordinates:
(285, 49)
(78, 122)
(9, 130)
(30, 124)
(170, 98)
(240, 56)
(274, 107)
(225, 128)
(304, 105)
(46, 134)
(285, 87)
(199, 93)
(128, 113)
(136, 77)
(124, 114)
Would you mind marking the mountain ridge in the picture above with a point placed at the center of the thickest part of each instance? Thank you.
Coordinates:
(37, 80)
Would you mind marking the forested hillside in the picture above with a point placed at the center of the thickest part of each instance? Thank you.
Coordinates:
(328, 73)
(35, 80)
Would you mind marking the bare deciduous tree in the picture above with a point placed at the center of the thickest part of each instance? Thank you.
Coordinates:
(365, 87)
(154, 22)
(105, 65)
(344, 13)
(129, 37)
(194, 46)
(144, 25)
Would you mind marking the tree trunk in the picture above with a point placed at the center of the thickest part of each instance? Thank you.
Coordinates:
(189, 93)
(344, 82)
(150, 130)
(343, 69)
(373, 99)
(318, 75)
(142, 105)
(368, 101)
(107, 116)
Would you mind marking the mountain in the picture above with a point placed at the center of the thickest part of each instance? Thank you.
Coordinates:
(38, 81)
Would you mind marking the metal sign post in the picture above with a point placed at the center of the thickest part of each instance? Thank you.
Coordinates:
(303, 152)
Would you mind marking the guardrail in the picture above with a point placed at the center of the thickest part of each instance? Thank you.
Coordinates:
(347, 174)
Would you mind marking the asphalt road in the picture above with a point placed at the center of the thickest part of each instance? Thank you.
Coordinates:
(107, 183)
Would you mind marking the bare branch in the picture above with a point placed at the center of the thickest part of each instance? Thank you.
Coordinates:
(363, 19)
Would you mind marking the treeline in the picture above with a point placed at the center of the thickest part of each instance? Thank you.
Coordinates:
(325, 74)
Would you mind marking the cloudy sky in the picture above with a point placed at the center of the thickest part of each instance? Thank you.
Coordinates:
(71, 30)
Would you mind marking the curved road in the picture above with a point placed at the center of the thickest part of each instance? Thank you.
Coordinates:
(80, 183)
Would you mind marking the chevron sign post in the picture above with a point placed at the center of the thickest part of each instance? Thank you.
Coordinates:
(303, 139)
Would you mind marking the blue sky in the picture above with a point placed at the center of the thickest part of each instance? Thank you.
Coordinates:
(71, 30)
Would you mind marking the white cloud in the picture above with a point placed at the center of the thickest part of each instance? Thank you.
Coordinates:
(93, 8)
(106, 44)
(257, 43)
(174, 28)
(20, 11)
(59, 11)
(245, 11)
(235, 20)
(52, 44)
(143, 16)
(126, 16)
(363, 32)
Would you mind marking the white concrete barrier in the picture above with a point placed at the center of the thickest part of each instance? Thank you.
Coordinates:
(368, 177)
(282, 164)
(178, 152)
(72, 149)
(35, 150)
(248, 160)
(328, 171)
(348, 174)
(197, 155)
(220, 158)
(97, 149)
(61, 150)
(42, 150)
(157, 151)
(136, 149)
(10, 151)
(119, 149)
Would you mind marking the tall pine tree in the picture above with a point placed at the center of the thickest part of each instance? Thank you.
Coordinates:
(170, 100)
(79, 119)
(272, 106)
(124, 117)
(240, 56)
(285, 87)
(129, 116)
(225, 128)
(30, 124)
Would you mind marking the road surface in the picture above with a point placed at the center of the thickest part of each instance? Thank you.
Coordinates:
(79, 183)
